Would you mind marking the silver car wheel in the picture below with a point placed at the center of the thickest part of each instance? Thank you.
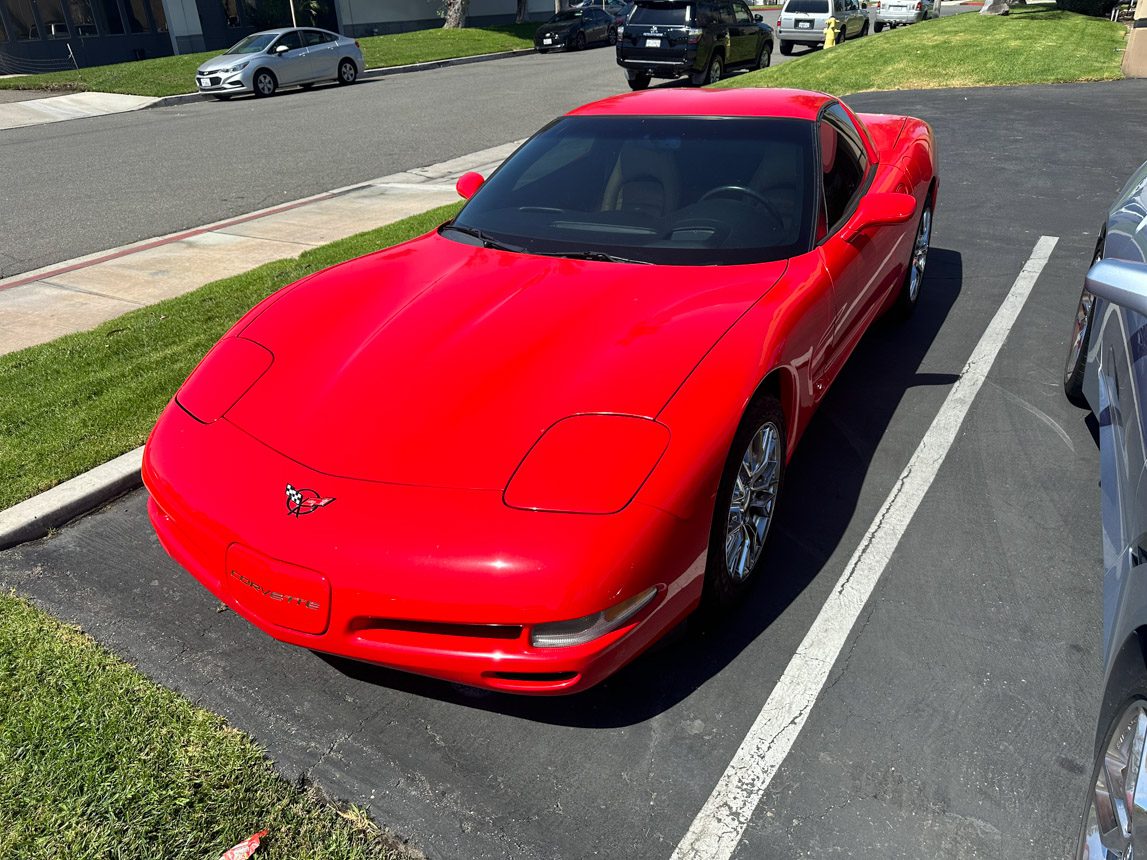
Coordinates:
(1116, 825)
(715, 70)
(1079, 334)
(920, 254)
(264, 84)
(347, 72)
(751, 505)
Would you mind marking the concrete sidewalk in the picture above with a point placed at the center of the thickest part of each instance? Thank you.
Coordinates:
(79, 294)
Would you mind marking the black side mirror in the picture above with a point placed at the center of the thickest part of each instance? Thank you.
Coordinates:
(759, 18)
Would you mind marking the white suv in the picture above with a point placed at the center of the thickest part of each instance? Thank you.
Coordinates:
(893, 13)
(802, 21)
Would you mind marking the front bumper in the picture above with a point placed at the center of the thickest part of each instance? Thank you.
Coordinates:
(232, 82)
(444, 583)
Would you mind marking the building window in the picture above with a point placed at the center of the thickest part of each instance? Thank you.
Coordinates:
(52, 14)
(82, 19)
(266, 14)
(231, 12)
(158, 15)
(114, 22)
(136, 16)
(22, 18)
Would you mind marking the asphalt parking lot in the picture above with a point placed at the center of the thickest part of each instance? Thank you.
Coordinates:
(958, 721)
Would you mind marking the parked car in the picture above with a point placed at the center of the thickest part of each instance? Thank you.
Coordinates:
(802, 21)
(613, 7)
(263, 62)
(539, 436)
(894, 13)
(699, 38)
(1106, 370)
(575, 29)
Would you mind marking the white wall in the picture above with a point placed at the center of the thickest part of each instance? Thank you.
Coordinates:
(362, 13)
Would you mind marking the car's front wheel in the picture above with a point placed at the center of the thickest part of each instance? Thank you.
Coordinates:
(611, 37)
(264, 83)
(746, 502)
(348, 71)
(579, 42)
(1076, 363)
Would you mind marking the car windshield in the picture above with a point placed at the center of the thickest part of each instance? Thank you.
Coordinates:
(807, 7)
(252, 44)
(668, 190)
(671, 14)
(566, 16)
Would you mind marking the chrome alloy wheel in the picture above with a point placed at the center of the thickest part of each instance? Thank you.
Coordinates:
(1079, 333)
(1116, 825)
(751, 505)
(920, 254)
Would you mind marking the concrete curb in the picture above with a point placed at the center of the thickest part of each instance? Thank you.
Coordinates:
(65, 502)
(168, 101)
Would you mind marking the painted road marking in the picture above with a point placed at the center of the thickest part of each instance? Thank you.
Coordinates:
(717, 829)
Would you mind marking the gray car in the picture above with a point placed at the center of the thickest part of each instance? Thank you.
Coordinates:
(290, 56)
(802, 21)
(895, 13)
(1106, 370)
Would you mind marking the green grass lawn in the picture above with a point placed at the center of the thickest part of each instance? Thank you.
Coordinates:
(78, 401)
(168, 76)
(97, 762)
(1033, 45)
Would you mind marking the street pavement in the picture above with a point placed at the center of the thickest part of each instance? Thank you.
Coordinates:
(958, 721)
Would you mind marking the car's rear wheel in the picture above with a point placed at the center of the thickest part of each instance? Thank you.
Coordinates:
(864, 29)
(639, 82)
(264, 83)
(765, 56)
(746, 503)
(1076, 363)
(786, 47)
(711, 74)
(348, 71)
(914, 278)
(878, 26)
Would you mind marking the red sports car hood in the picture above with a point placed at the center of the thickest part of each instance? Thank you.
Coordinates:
(441, 364)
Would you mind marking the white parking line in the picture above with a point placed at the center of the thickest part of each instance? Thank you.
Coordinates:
(717, 829)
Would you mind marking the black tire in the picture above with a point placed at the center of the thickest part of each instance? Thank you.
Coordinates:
(878, 26)
(843, 36)
(223, 98)
(910, 291)
(611, 37)
(579, 41)
(639, 83)
(712, 73)
(786, 47)
(348, 72)
(864, 29)
(264, 83)
(765, 56)
(1077, 347)
(723, 586)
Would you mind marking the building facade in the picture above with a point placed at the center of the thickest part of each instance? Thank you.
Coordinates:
(50, 35)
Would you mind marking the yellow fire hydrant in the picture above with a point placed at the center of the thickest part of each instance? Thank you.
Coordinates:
(831, 31)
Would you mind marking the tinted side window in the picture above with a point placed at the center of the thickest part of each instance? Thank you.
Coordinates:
(842, 173)
(727, 16)
(312, 37)
(742, 13)
(291, 40)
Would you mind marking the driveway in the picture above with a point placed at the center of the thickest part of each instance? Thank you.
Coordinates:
(957, 721)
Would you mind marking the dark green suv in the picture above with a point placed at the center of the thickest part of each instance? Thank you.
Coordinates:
(699, 38)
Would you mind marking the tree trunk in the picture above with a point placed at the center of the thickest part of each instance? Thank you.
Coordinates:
(995, 7)
(560, 5)
(456, 11)
(523, 11)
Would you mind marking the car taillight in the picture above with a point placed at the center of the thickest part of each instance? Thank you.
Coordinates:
(919, 7)
(694, 34)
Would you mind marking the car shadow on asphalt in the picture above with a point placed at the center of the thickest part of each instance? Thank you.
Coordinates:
(820, 497)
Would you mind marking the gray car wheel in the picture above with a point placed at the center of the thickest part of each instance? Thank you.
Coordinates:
(746, 502)
(914, 278)
(765, 56)
(1114, 823)
(348, 71)
(264, 83)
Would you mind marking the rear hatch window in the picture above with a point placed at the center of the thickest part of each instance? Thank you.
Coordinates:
(663, 14)
(806, 7)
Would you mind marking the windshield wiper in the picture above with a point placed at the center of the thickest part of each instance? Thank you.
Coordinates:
(486, 240)
(596, 256)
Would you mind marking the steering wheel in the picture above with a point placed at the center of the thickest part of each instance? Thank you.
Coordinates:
(748, 192)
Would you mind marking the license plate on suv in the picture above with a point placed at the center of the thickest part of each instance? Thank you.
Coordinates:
(804, 25)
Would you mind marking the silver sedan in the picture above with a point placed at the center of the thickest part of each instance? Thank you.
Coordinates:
(290, 56)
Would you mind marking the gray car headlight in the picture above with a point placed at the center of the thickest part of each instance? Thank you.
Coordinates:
(237, 68)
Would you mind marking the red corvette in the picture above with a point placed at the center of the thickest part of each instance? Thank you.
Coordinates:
(515, 451)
